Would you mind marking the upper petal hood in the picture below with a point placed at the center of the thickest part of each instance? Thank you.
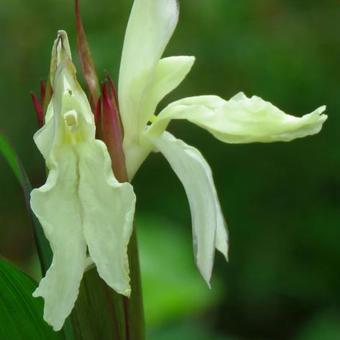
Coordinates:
(144, 78)
(151, 25)
(241, 119)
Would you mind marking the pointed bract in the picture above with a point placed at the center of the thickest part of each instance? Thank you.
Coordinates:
(86, 61)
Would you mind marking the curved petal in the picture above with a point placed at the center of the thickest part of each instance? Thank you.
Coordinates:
(108, 208)
(149, 30)
(44, 137)
(207, 219)
(241, 119)
(169, 73)
(56, 205)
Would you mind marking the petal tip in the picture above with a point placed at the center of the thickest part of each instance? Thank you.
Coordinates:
(126, 292)
(36, 293)
(206, 275)
(208, 283)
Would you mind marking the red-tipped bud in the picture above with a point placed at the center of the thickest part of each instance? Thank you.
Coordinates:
(38, 109)
(98, 118)
(111, 129)
(112, 91)
(110, 115)
(86, 61)
(43, 91)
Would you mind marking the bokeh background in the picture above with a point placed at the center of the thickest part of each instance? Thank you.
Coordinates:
(281, 200)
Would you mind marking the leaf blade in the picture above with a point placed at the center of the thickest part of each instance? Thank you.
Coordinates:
(43, 247)
(20, 313)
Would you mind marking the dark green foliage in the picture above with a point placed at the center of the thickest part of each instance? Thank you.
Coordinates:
(44, 250)
(20, 313)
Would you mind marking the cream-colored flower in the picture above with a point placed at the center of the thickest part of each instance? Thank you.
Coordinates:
(85, 212)
(145, 79)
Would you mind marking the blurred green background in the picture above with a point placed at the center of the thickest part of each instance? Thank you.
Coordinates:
(281, 200)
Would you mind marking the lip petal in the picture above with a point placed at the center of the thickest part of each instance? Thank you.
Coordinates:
(241, 119)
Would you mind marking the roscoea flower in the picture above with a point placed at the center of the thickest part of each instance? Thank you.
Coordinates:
(86, 214)
(145, 79)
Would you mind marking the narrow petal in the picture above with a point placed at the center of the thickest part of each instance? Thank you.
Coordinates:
(242, 119)
(108, 208)
(196, 177)
(57, 207)
(149, 30)
(222, 238)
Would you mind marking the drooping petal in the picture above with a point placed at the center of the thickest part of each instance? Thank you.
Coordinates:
(242, 119)
(222, 238)
(151, 25)
(207, 219)
(169, 73)
(108, 209)
(56, 205)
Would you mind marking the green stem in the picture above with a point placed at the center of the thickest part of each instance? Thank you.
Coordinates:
(99, 311)
(134, 311)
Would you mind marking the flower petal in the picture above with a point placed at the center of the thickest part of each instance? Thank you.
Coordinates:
(81, 203)
(241, 119)
(222, 238)
(108, 209)
(169, 73)
(149, 30)
(57, 207)
(196, 177)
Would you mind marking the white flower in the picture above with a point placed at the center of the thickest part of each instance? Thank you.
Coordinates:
(145, 79)
(85, 213)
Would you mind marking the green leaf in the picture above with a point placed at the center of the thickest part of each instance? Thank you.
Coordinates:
(44, 250)
(21, 315)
